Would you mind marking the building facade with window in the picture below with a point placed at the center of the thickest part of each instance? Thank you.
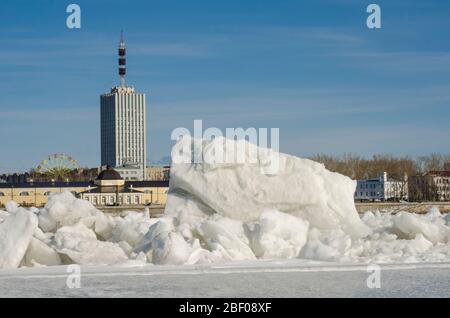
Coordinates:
(36, 193)
(381, 189)
(131, 172)
(158, 173)
(108, 189)
(432, 186)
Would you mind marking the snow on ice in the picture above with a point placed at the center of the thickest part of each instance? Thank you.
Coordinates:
(221, 212)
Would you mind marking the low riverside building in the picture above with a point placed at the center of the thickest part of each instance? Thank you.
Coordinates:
(381, 189)
(108, 189)
(431, 186)
(130, 172)
(158, 173)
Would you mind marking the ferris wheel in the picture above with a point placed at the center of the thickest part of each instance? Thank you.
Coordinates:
(58, 165)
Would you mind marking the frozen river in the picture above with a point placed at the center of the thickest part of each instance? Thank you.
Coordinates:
(249, 279)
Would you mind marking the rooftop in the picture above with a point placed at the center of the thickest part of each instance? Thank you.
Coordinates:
(112, 189)
(109, 174)
(122, 90)
(442, 173)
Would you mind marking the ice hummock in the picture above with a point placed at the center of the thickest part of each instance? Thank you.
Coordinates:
(220, 212)
(16, 233)
(241, 190)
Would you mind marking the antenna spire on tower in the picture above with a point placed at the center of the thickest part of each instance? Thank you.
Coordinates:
(122, 60)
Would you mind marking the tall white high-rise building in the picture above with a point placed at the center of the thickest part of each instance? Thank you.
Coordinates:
(123, 124)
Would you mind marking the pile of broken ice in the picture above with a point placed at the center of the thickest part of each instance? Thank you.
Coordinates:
(220, 212)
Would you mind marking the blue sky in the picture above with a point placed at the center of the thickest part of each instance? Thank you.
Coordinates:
(311, 68)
